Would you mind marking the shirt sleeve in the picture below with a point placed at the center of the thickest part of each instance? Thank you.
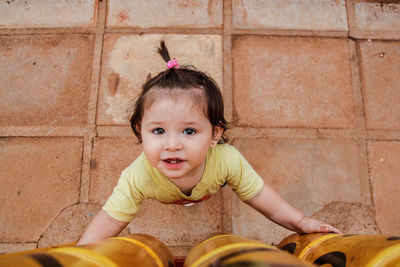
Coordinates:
(125, 200)
(243, 179)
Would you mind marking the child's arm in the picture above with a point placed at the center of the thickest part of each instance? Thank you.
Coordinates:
(274, 207)
(101, 227)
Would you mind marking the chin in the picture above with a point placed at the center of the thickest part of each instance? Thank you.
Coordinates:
(172, 176)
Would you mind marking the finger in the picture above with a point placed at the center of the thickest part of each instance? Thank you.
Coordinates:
(325, 228)
(329, 229)
(337, 231)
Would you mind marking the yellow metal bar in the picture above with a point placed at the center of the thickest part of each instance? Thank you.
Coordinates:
(315, 242)
(148, 249)
(85, 254)
(385, 256)
(212, 238)
(227, 247)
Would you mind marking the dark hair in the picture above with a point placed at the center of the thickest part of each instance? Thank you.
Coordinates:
(185, 79)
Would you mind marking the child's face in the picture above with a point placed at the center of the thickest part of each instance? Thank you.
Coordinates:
(176, 136)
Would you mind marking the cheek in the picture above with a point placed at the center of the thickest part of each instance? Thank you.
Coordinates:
(199, 149)
(150, 145)
(150, 148)
(151, 155)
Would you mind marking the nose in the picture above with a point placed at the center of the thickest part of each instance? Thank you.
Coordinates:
(173, 142)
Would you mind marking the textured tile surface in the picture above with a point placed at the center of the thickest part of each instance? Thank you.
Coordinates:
(42, 178)
(384, 160)
(15, 247)
(166, 13)
(47, 13)
(44, 79)
(375, 16)
(177, 225)
(380, 83)
(309, 174)
(349, 217)
(290, 15)
(110, 157)
(292, 82)
(129, 59)
(69, 225)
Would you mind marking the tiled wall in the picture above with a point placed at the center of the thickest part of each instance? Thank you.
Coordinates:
(312, 88)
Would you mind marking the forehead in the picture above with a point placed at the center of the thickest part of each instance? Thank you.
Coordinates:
(170, 109)
(189, 98)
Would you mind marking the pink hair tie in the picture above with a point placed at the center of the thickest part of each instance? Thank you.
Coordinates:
(173, 64)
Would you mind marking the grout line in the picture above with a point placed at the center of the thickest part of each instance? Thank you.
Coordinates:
(45, 131)
(48, 31)
(356, 86)
(302, 33)
(169, 30)
(238, 131)
(227, 59)
(355, 71)
(97, 59)
(93, 100)
(226, 216)
(361, 122)
(373, 208)
(351, 21)
(359, 34)
(85, 171)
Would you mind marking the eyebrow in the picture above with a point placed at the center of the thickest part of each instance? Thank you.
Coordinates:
(190, 123)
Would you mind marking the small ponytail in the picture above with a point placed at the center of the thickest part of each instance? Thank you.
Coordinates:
(163, 51)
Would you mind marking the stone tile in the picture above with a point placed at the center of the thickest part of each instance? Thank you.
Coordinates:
(44, 79)
(15, 247)
(110, 156)
(313, 15)
(384, 164)
(167, 13)
(177, 225)
(309, 174)
(350, 218)
(380, 83)
(129, 59)
(47, 14)
(292, 82)
(69, 225)
(375, 16)
(40, 177)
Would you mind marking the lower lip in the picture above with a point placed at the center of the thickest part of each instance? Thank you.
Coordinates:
(173, 166)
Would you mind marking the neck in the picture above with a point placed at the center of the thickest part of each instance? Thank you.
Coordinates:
(187, 183)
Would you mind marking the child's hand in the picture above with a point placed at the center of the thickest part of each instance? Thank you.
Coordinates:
(308, 225)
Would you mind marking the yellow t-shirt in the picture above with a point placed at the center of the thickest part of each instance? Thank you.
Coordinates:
(140, 180)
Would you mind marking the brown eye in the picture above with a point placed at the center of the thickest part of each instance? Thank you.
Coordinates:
(158, 131)
(189, 131)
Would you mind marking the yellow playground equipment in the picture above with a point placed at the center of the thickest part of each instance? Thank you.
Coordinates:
(232, 250)
(345, 250)
(135, 250)
(226, 250)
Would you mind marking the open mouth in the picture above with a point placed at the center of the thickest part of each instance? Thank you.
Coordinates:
(173, 161)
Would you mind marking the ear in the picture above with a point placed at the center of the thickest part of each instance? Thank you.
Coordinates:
(217, 133)
(138, 128)
(138, 134)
